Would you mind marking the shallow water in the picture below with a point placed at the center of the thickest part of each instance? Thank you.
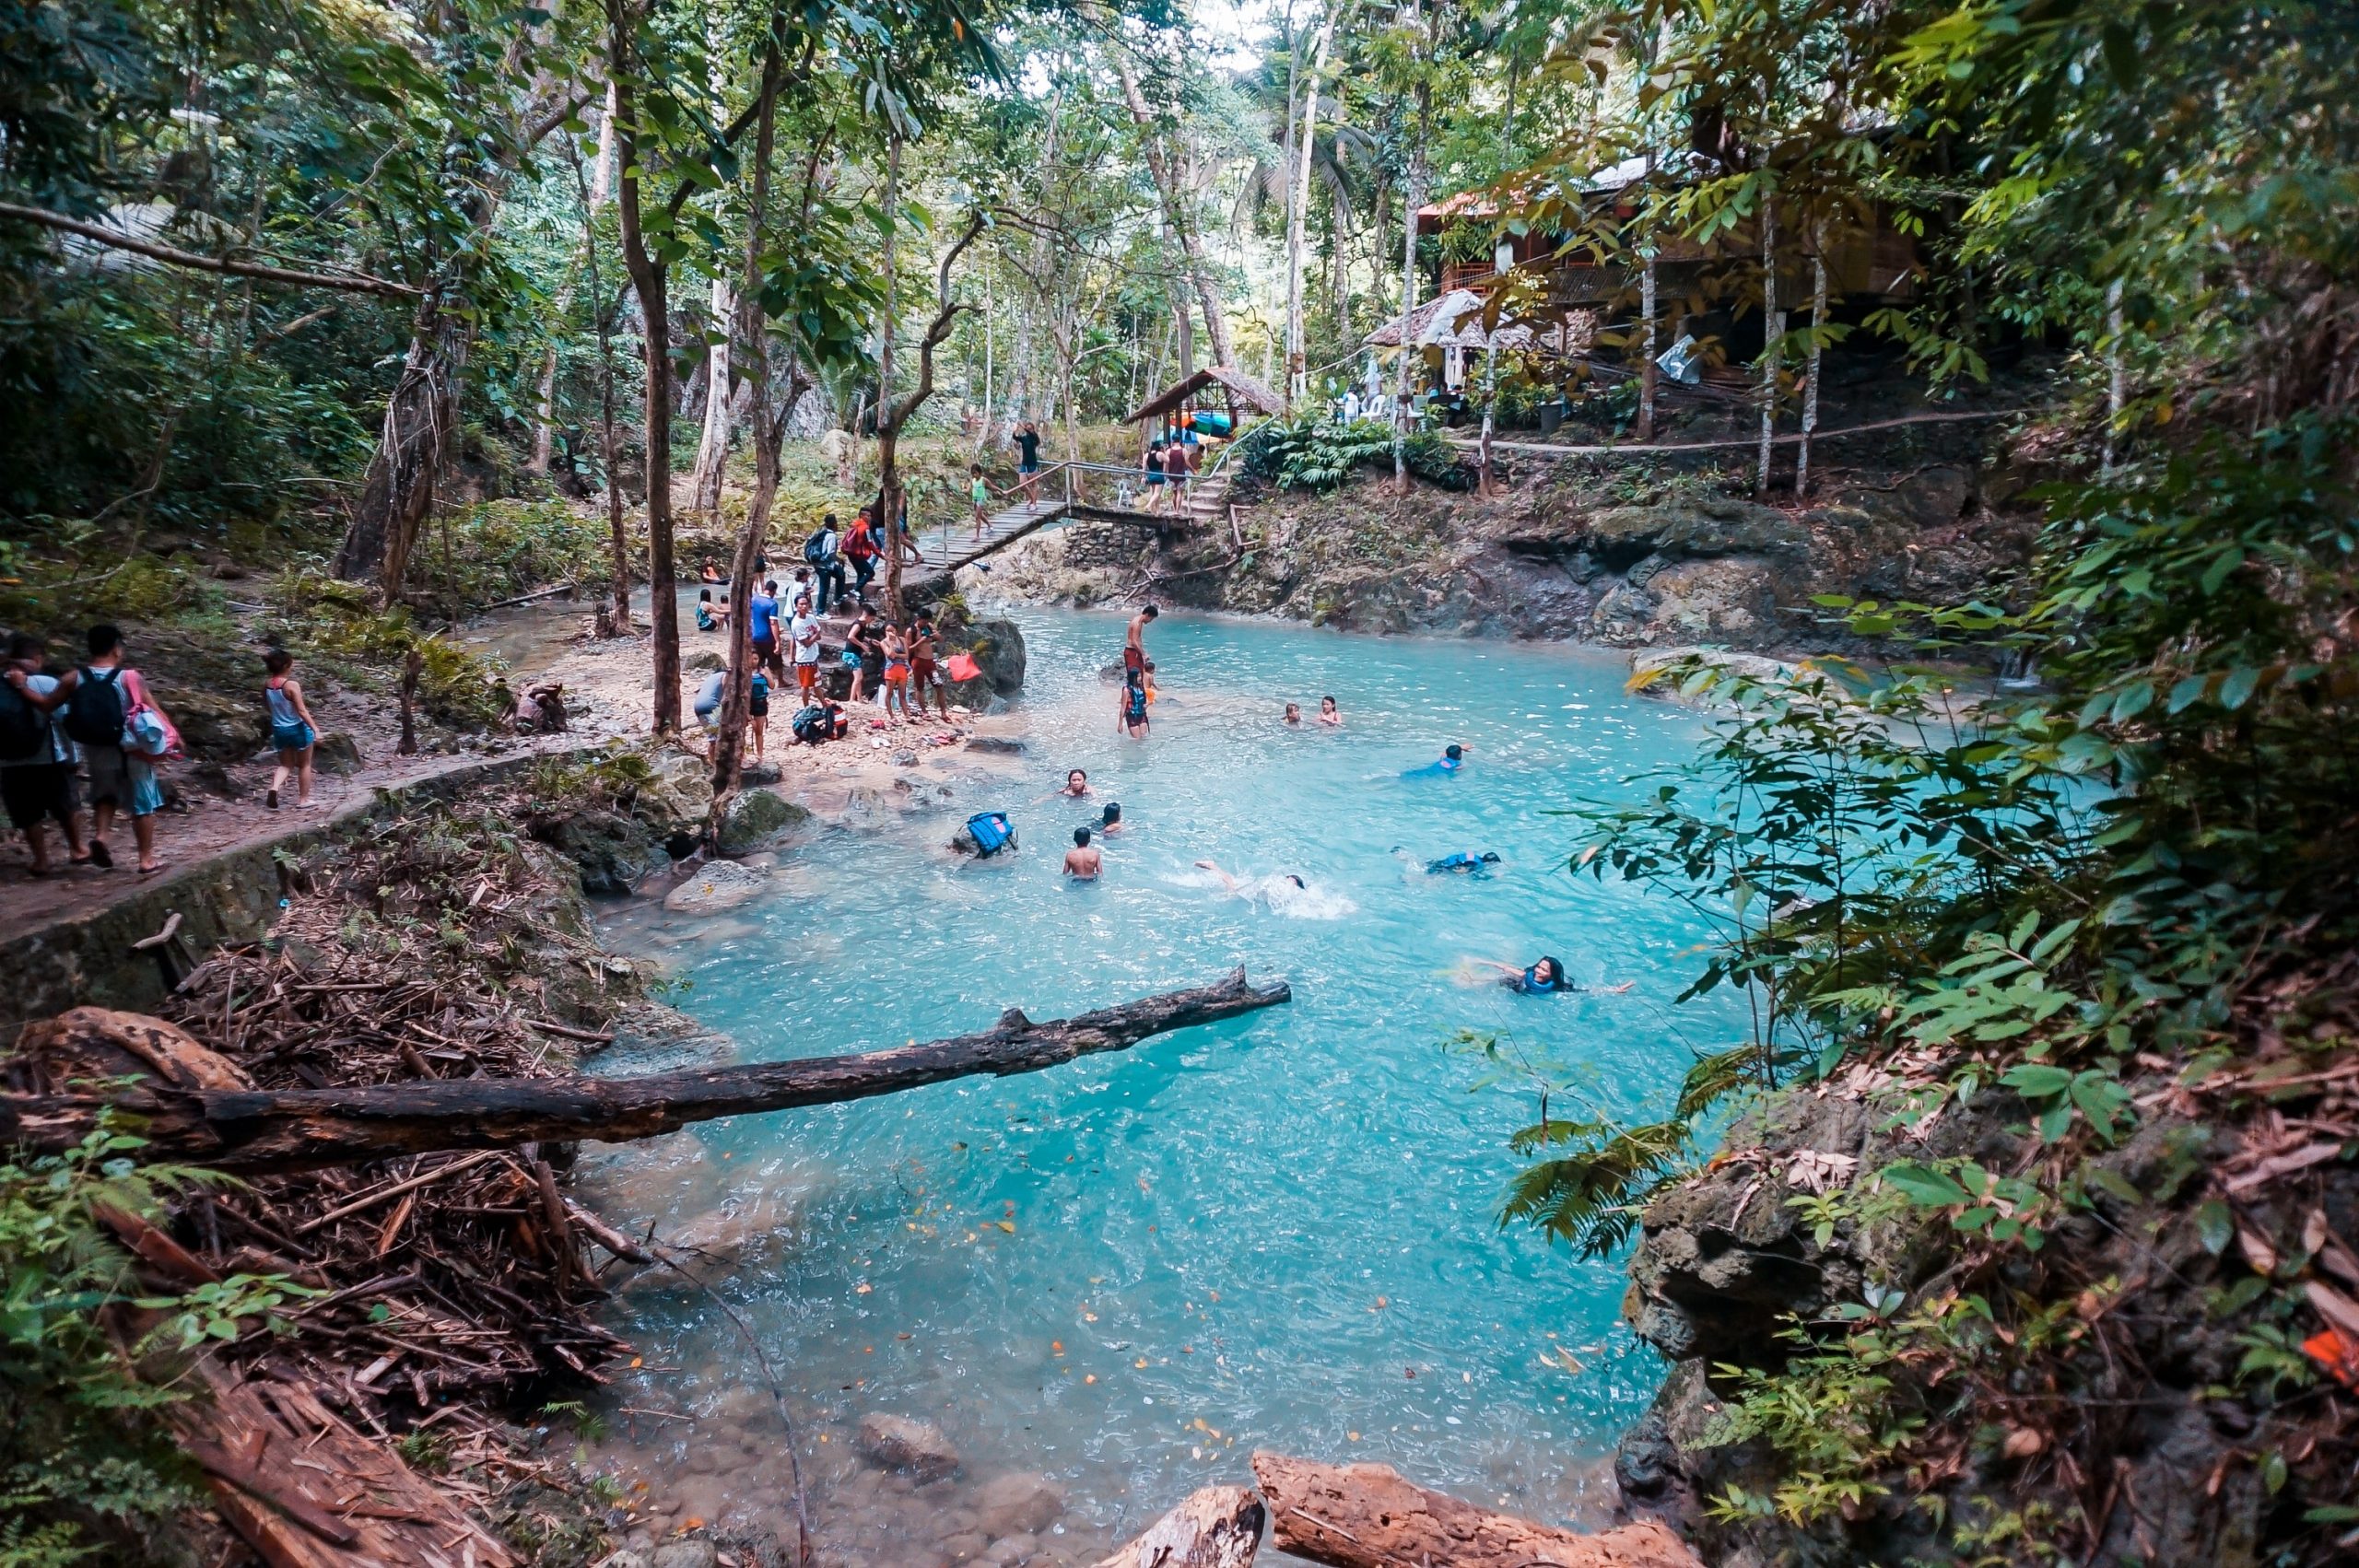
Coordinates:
(1279, 1232)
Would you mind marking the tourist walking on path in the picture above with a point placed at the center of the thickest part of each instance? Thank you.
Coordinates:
(37, 759)
(292, 735)
(981, 494)
(860, 549)
(1151, 469)
(925, 669)
(803, 632)
(122, 735)
(1175, 476)
(824, 551)
(1027, 461)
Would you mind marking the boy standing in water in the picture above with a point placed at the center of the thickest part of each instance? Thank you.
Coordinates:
(1084, 860)
(1134, 640)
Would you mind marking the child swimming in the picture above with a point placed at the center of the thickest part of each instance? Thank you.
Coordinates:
(1543, 976)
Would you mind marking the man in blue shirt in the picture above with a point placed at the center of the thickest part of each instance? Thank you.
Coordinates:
(761, 624)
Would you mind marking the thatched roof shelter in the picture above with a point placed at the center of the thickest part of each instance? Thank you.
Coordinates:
(1238, 391)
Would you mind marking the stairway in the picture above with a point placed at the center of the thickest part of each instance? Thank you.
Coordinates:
(1208, 500)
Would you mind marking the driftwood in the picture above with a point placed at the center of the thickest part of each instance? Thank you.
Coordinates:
(1218, 1526)
(187, 1112)
(1371, 1516)
(306, 1489)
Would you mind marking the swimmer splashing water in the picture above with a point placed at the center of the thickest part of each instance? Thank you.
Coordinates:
(1543, 976)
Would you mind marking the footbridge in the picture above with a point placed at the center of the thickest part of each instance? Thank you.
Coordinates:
(1063, 493)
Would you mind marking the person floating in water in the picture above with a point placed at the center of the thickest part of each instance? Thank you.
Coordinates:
(1294, 714)
(1076, 788)
(1465, 861)
(1329, 714)
(1275, 888)
(1084, 860)
(1452, 758)
(1544, 976)
(1110, 822)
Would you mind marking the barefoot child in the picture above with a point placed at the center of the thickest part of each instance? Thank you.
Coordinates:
(292, 735)
(897, 673)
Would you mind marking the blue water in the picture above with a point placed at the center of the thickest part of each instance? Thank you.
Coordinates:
(1288, 1219)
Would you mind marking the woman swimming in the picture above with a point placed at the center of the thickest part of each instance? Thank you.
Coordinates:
(1544, 976)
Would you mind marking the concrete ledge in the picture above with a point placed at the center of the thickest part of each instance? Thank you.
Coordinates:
(232, 897)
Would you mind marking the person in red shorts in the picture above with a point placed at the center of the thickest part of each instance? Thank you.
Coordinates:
(923, 669)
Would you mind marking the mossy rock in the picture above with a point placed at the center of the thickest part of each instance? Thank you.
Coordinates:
(755, 817)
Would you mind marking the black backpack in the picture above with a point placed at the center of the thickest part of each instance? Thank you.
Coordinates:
(94, 714)
(818, 549)
(24, 729)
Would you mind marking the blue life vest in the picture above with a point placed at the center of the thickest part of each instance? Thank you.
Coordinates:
(1536, 985)
(992, 832)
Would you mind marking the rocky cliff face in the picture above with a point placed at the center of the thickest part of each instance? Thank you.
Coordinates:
(1577, 549)
(1739, 1269)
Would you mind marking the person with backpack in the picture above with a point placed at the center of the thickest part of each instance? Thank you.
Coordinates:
(122, 735)
(824, 554)
(861, 550)
(757, 710)
(293, 733)
(36, 760)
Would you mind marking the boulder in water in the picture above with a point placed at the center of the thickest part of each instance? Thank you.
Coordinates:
(713, 887)
(753, 817)
(995, 745)
(897, 1443)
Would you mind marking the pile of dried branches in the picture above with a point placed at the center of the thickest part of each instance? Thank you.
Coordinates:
(424, 948)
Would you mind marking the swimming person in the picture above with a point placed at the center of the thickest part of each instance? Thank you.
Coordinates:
(1279, 890)
(1110, 822)
(1464, 861)
(1329, 713)
(1294, 714)
(1076, 787)
(1083, 861)
(1544, 976)
(1452, 758)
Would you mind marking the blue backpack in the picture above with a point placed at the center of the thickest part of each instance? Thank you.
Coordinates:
(992, 832)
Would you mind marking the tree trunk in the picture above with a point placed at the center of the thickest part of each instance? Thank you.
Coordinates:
(712, 451)
(1414, 198)
(1299, 216)
(2116, 376)
(1773, 327)
(1818, 353)
(737, 692)
(649, 281)
(544, 404)
(1217, 1526)
(1487, 481)
(192, 1104)
(1166, 185)
(413, 444)
(888, 432)
(1370, 1516)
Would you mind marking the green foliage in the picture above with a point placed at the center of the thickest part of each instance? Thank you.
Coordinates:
(78, 1442)
(500, 549)
(460, 689)
(1317, 453)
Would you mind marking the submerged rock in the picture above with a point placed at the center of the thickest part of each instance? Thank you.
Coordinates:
(897, 1443)
(995, 745)
(710, 888)
(1017, 1504)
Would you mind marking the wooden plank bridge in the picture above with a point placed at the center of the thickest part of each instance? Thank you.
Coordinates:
(1089, 492)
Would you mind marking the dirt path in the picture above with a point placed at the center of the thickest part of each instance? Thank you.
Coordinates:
(606, 695)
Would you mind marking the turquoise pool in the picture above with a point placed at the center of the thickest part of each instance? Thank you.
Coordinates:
(1279, 1232)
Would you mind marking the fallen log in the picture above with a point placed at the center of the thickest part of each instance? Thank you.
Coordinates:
(1216, 1527)
(1371, 1516)
(192, 1104)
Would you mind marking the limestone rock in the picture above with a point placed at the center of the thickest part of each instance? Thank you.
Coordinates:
(338, 753)
(213, 728)
(687, 1555)
(897, 1443)
(715, 886)
(703, 662)
(1018, 1505)
(995, 745)
(753, 817)
(611, 851)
